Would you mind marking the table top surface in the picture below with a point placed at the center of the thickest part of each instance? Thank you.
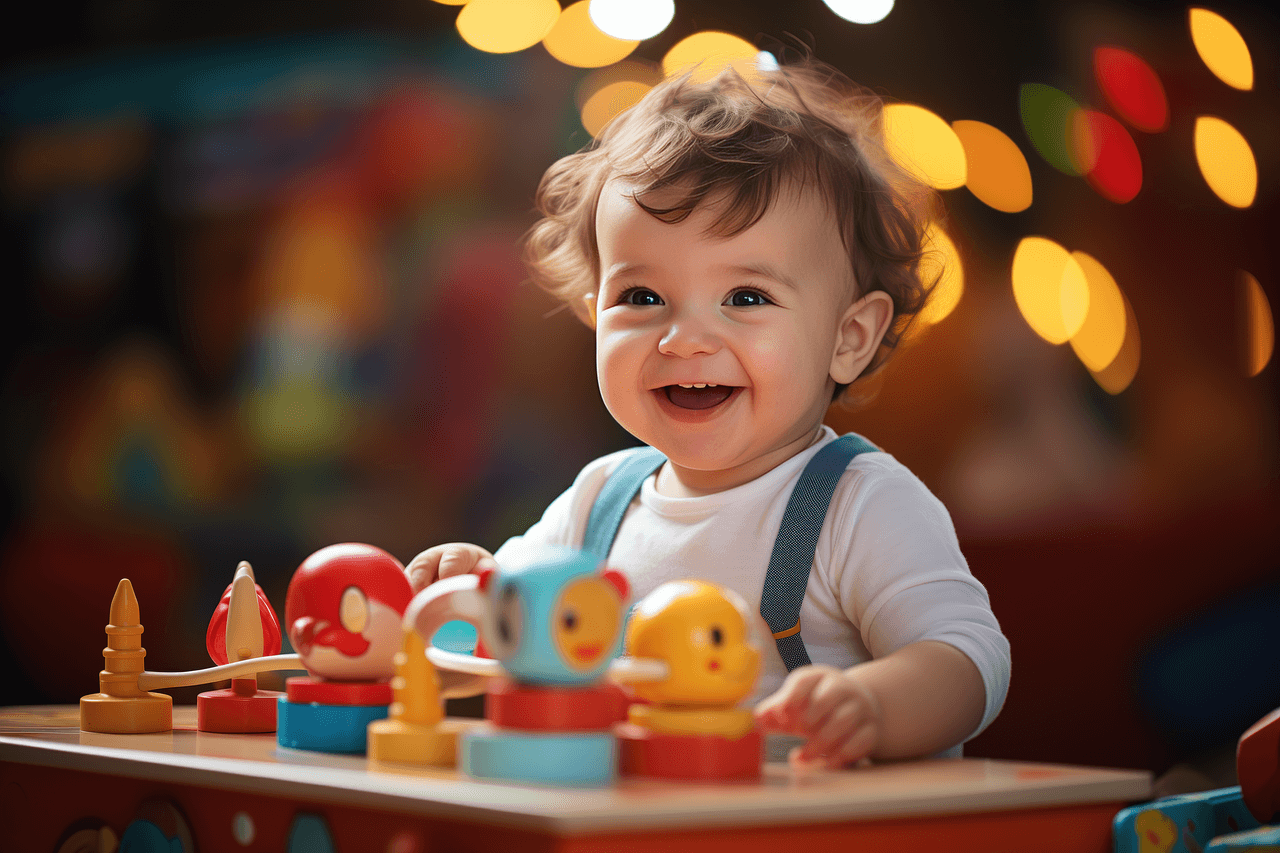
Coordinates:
(51, 736)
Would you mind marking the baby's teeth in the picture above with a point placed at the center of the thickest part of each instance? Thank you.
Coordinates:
(698, 385)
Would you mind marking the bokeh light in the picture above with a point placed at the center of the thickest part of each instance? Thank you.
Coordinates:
(1117, 375)
(635, 70)
(1107, 155)
(995, 170)
(861, 11)
(1226, 161)
(609, 101)
(1049, 288)
(632, 19)
(1132, 88)
(925, 145)
(500, 26)
(1259, 326)
(1221, 47)
(608, 91)
(575, 40)
(1100, 337)
(941, 262)
(1046, 116)
(705, 54)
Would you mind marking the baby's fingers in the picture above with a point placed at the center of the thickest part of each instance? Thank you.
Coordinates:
(784, 710)
(844, 736)
(462, 559)
(424, 569)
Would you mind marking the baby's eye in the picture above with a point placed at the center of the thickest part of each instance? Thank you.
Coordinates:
(639, 296)
(748, 298)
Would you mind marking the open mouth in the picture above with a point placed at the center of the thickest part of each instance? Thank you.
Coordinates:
(698, 395)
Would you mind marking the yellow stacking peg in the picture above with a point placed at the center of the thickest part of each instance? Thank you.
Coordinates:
(122, 707)
(414, 731)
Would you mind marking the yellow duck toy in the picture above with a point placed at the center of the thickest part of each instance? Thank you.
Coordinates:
(706, 637)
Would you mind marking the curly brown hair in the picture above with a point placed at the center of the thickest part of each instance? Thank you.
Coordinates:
(742, 141)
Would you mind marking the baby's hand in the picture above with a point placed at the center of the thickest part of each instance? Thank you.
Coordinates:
(837, 713)
(446, 561)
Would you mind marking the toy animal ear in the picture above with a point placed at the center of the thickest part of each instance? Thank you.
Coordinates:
(302, 631)
(619, 580)
(485, 575)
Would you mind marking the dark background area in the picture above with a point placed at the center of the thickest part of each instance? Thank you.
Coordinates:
(265, 295)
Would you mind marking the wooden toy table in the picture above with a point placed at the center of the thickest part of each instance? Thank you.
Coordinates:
(242, 792)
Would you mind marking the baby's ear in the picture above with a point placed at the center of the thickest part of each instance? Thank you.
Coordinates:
(861, 329)
(590, 301)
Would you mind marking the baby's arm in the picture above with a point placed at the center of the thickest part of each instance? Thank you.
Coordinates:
(921, 699)
(445, 561)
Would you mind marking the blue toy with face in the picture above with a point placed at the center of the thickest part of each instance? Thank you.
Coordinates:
(554, 618)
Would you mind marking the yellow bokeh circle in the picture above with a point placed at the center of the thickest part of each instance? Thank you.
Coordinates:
(1100, 337)
(1221, 47)
(1049, 288)
(705, 54)
(996, 170)
(922, 143)
(941, 268)
(576, 41)
(1226, 161)
(506, 26)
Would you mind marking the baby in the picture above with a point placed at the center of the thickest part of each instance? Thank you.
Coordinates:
(745, 251)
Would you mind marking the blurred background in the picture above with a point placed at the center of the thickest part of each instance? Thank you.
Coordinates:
(266, 295)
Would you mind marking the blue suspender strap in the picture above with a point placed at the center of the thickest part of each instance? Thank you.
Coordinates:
(613, 500)
(789, 565)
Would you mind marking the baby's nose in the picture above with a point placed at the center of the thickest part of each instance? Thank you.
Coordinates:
(688, 336)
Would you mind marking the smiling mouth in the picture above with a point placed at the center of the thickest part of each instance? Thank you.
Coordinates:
(699, 396)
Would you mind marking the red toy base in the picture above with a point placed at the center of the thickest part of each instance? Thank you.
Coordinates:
(1258, 767)
(303, 690)
(234, 711)
(706, 758)
(511, 705)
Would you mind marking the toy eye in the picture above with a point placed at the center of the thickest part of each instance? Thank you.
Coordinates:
(353, 610)
(569, 619)
(717, 636)
(507, 622)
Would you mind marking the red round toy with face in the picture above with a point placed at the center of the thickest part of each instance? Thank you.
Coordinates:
(343, 610)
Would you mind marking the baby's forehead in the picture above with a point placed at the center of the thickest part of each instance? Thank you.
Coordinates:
(723, 211)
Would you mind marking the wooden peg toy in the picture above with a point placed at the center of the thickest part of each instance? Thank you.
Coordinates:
(122, 706)
(243, 627)
(412, 732)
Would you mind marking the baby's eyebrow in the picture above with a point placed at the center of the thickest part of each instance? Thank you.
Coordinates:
(624, 268)
(761, 269)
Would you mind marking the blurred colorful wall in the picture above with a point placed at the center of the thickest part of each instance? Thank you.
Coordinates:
(266, 295)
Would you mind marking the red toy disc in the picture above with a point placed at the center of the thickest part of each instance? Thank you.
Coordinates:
(303, 689)
(511, 705)
(705, 758)
(1258, 767)
(236, 711)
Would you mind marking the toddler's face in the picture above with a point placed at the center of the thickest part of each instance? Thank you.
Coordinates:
(753, 318)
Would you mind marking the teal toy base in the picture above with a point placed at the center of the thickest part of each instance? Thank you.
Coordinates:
(1186, 822)
(325, 728)
(577, 760)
